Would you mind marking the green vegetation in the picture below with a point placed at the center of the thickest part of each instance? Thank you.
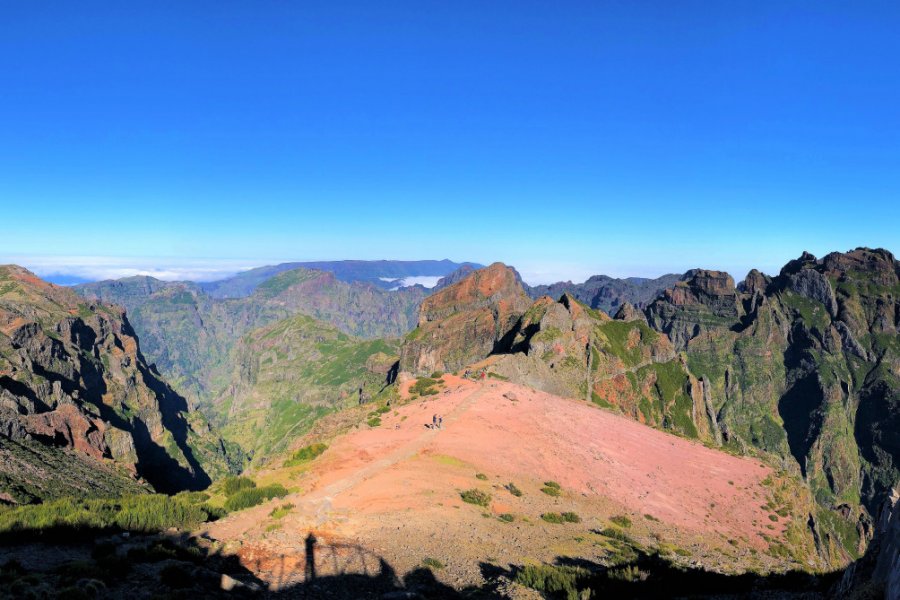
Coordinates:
(515, 491)
(281, 511)
(551, 488)
(552, 517)
(374, 422)
(621, 521)
(551, 579)
(559, 518)
(506, 517)
(432, 563)
(306, 454)
(251, 497)
(425, 386)
(481, 476)
(144, 513)
(476, 497)
(233, 485)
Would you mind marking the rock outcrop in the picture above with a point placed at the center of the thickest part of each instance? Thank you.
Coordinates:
(805, 366)
(703, 300)
(72, 379)
(608, 293)
(465, 322)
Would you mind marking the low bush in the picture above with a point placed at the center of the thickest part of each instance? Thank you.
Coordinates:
(550, 579)
(147, 513)
(374, 422)
(281, 511)
(425, 386)
(477, 497)
(306, 454)
(514, 490)
(621, 521)
(552, 517)
(551, 491)
(253, 496)
(432, 563)
(552, 484)
(437, 374)
(233, 485)
(481, 476)
(570, 517)
(507, 517)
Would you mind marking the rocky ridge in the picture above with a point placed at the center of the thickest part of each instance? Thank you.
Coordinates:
(74, 387)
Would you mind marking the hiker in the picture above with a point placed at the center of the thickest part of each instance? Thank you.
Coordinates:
(433, 421)
(466, 376)
(482, 375)
(441, 422)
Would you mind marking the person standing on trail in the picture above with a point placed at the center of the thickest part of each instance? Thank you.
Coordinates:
(482, 375)
(441, 422)
(433, 421)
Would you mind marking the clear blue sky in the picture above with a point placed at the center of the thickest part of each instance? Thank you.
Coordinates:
(566, 138)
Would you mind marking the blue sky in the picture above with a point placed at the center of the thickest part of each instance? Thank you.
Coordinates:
(567, 138)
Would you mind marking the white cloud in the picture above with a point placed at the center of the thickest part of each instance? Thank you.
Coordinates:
(427, 281)
(96, 268)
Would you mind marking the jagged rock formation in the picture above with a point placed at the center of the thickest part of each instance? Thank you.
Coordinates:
(73, 382)
(465, 322)
(877, 574)
(608, 293)
(804, 367)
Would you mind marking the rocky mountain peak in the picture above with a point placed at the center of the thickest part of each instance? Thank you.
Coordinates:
(466, 321)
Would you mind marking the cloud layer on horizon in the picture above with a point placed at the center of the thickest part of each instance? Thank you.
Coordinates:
(97, 268)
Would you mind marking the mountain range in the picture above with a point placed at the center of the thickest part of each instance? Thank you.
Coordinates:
(799, 371)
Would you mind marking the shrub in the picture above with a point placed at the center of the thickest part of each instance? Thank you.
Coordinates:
(432, 563)
(437, 374)
(477, 497)
(425, 386)
(374, 422)
(251, 497)
(551, 491)
(481, 476)
(630, 573)
(570, 517)
(550, 579)
(145, 513)
(621, 521)
(552, 517)
(306, 454)
(514, 490)
(233, 485)
(507, 517)
(551, 484)
(281, 511)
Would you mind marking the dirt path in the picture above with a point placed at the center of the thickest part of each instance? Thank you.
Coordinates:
(394, 490)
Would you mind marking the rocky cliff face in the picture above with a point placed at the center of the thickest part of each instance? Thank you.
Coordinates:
(803, 366)
(73, 380)
(608, 293)
(465, 322)
(190, 335)
(877, 574)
